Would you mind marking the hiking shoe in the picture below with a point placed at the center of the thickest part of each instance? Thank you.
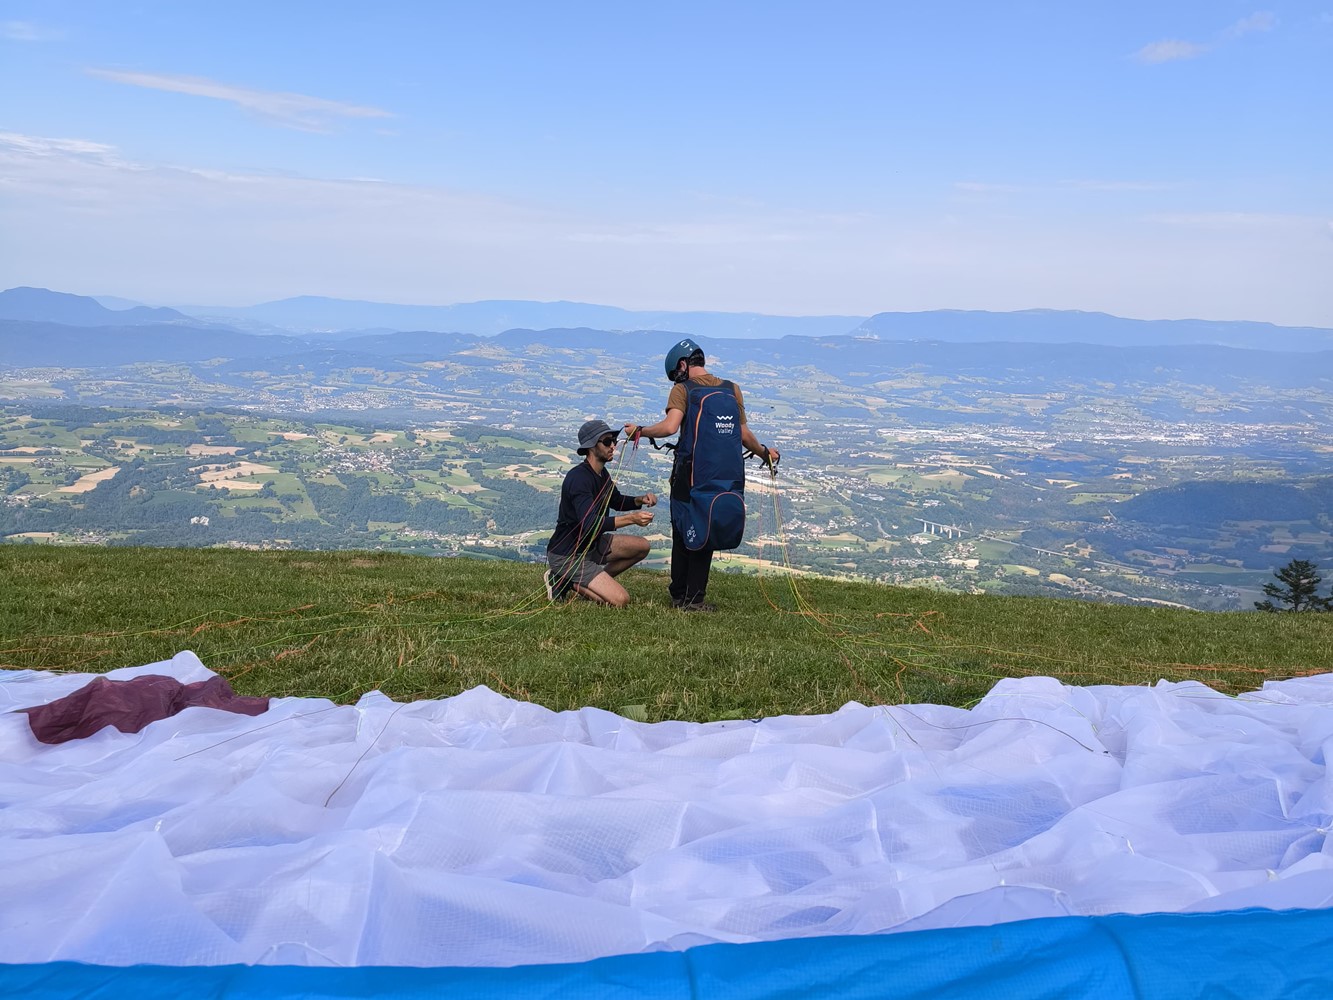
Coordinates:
(554, 592)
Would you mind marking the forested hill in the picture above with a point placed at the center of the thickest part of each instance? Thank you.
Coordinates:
(1210, 504)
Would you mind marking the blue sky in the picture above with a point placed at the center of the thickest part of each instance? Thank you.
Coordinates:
(1149, 159)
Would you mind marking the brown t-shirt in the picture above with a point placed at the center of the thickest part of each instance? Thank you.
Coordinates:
(680, 393)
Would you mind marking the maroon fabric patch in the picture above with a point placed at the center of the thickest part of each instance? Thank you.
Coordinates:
(131, 705)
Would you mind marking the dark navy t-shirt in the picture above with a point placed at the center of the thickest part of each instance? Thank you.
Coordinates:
(583, 503)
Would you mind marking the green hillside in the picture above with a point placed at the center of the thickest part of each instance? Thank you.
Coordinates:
(340, 624)
(1210, 504)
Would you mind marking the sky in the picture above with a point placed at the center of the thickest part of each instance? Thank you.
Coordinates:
(1150, 159)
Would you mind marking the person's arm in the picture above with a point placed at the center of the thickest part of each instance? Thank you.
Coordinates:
(752, 445)
(621, 502)
(664, 428)
(592, 498)
(637, 517)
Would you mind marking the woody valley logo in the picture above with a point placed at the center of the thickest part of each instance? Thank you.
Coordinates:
(725, 425)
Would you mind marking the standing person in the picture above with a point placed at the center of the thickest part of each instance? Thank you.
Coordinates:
(582, 555)
(708, 474)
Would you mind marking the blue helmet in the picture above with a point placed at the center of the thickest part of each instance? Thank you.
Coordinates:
(680, 352)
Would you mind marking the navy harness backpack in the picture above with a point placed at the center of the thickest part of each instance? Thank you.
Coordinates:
(708, 477)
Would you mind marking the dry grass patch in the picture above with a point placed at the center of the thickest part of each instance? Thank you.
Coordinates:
(211, 449)
(90, 481)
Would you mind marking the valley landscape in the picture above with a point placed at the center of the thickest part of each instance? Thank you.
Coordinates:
(916, 452)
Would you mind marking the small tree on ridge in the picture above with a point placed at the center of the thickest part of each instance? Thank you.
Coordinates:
(1299, 589)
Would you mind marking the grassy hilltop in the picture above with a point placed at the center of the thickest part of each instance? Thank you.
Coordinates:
(340, 624)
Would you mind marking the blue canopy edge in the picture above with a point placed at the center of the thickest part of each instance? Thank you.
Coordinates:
(1254, 954)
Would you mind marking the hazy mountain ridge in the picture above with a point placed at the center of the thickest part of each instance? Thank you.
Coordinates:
(42, 305)
(328, 319)
(43, 344)
(319, 315)
(1052, 326)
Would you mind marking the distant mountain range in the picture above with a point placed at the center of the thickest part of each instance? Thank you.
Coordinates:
(313, 314)
(41, 305)
(327, 319)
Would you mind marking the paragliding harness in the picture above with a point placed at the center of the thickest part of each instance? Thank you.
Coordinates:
(708, 473)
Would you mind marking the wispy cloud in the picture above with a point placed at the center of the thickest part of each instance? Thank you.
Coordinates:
(64, 174)
(1169, 51)
(1174, 49)
(26, 31)
(298, 111)
(1259, 21)
(42, 147)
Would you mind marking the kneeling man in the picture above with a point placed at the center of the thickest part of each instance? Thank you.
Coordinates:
(583, 555)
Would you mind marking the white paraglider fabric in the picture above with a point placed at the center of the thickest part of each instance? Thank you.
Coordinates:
(481, 831)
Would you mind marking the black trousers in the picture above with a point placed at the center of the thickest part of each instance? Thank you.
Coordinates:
(689, 570)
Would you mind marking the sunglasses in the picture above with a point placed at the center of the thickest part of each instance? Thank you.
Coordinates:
(609, 440)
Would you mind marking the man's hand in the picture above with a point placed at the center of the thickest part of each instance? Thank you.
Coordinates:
(648, 500)
(769, 456)
(640, 517)
(632, 431)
